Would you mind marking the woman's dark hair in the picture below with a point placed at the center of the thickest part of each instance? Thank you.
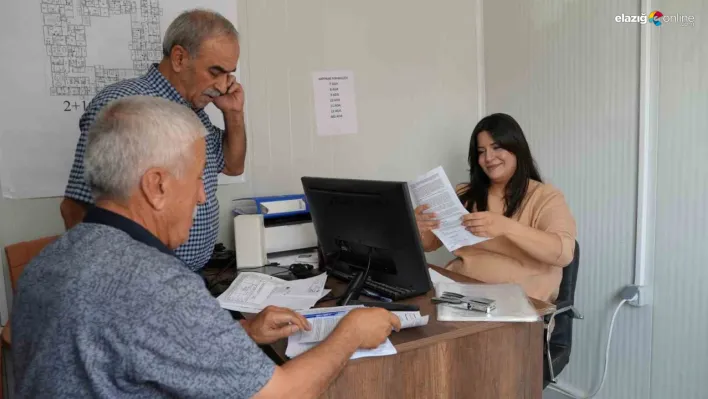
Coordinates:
(506, 133)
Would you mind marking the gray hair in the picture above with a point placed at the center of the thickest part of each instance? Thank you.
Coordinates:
(133, 134)
(191, 28)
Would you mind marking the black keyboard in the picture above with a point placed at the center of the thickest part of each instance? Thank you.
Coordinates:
(385, 290)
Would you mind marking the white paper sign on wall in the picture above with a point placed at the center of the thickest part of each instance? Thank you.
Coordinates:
(335, 103)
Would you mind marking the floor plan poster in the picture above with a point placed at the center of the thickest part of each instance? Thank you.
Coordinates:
(65, 29)
(57, 55)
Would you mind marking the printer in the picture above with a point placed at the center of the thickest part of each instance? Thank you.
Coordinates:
(275, 229)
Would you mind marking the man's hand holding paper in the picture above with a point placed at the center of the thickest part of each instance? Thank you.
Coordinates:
(274, 323)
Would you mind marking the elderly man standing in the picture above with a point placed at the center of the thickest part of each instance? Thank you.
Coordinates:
(201, 50)
(108, 311)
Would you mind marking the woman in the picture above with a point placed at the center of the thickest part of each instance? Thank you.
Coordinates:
(529, 225)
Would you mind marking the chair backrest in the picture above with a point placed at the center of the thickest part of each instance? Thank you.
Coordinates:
(563, 331)
(20, 254)
(566, 291)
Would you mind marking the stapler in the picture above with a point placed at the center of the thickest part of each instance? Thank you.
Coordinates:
(454, 299)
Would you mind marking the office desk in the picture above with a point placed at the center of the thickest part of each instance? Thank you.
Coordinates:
(448, 359)
(542, 307)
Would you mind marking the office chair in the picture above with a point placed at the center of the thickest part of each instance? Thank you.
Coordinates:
(559, 325)
(18, 256)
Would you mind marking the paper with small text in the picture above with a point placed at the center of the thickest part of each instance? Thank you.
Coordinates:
(251, 292)
(335, 103)
(434, 189)
(324, 320)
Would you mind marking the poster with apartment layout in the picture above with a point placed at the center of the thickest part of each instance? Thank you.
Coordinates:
(57, 54)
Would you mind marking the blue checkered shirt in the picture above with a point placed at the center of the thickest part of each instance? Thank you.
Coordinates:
(202, 237)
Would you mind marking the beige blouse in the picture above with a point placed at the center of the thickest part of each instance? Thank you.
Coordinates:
(499, 260)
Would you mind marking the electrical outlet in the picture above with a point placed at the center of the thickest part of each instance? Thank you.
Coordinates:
(644, 296)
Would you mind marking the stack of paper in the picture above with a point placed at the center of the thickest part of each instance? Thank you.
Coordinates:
(434, 189)
(325, 320)
(512, 304)
(252, 292)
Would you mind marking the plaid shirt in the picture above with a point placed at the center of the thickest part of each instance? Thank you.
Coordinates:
(202, 237)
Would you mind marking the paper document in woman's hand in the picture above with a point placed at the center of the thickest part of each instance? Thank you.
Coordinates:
(434, 189)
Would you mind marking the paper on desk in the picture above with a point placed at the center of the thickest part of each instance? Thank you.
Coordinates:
(298, 348)
(319, 319)
(412, 319)
(434, 189)
(323, 322)
(252, 292)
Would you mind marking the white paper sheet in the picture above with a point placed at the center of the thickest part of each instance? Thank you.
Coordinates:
(308, 287)
(335, 103)
(412, 319)
(384, 349)
(434, 189)
(324, 321)
(252, 292)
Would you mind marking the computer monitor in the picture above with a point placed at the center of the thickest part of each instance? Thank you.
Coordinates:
(367, 228)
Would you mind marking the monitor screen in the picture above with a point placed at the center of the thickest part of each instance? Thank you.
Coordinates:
(367, 224)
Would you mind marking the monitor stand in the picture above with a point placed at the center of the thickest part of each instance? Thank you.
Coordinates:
(351, 296)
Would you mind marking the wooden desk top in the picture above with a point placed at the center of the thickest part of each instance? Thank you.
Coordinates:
(435, 331)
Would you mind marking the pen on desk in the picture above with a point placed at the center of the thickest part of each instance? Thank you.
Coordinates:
(374, 295)
(328, 314)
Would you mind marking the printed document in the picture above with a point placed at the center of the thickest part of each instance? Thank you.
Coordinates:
(434, 189)
(298, 348)
(324, 320)
(251, 292)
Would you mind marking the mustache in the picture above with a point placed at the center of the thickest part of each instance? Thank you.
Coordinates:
(213, 93)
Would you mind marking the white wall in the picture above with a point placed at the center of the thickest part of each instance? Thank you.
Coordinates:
(570, 74)
(415, 80)
(416, 87)
(680, 348)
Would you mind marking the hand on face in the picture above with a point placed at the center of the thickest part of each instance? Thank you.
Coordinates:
(487, 224)
(233, 99)
(207, 76)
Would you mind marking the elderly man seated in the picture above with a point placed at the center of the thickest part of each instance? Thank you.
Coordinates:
(109, 311)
